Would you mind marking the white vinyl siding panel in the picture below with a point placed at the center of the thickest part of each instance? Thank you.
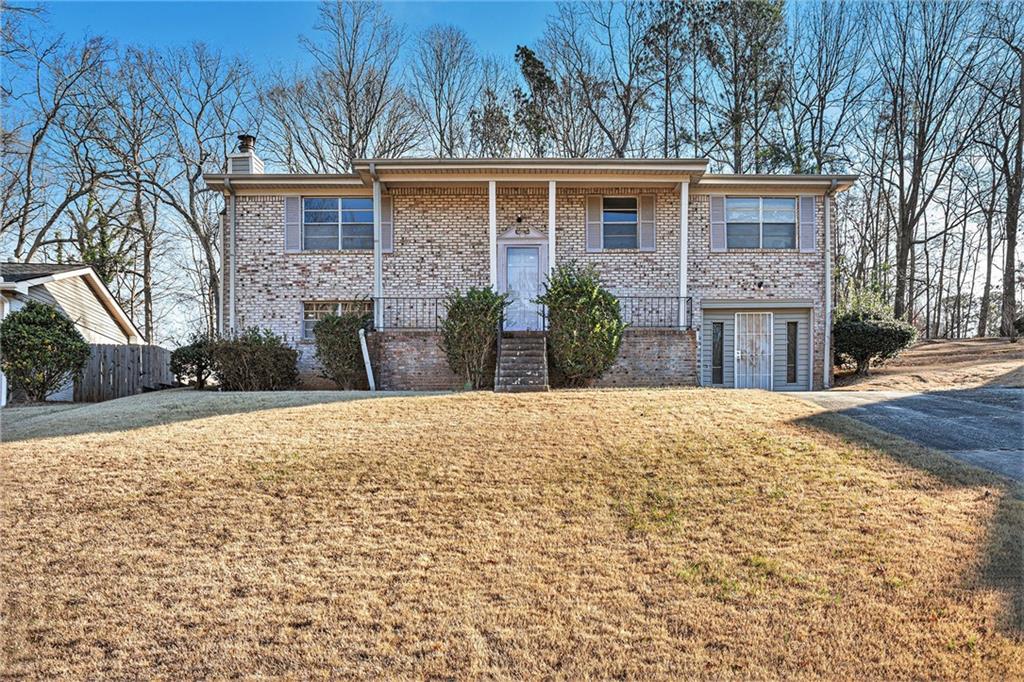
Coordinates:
(726, 317)
(73, 297)
(782, 317)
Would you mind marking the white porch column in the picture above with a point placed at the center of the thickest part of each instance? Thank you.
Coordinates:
(492, 229)
(684, 246)
(378, 258)
(551, 227)
(827, 359)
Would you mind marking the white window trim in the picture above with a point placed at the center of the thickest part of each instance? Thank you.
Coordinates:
(634, 197)
(760, 223)
(340, 223)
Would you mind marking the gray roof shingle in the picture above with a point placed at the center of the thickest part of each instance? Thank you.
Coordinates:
(19, 272)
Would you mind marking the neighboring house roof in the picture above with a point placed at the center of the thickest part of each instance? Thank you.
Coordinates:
(580, 171)
(19, 277)
(20, 272)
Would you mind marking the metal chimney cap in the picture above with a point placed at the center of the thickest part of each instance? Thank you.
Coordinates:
(246, 142)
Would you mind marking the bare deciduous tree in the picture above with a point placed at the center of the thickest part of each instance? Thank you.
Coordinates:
(445, 83)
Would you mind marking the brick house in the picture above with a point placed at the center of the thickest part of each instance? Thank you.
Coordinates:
(733, 291)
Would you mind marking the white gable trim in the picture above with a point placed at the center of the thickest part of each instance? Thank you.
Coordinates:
(98, 288)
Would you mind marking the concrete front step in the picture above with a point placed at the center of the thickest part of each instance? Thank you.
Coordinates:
(531, 388)
(523, 349)
(523, 364)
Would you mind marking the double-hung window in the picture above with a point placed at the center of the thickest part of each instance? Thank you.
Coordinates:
(760, 222)
(314, 311)
(619, 223)
(332, 223)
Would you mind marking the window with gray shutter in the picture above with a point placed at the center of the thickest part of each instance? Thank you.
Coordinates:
(387, 225)
(619, 223)
(332, 223)
(647, 228)
(292, 224)
(593, 226)
(717, 222)
(760, 223)
(808, 223)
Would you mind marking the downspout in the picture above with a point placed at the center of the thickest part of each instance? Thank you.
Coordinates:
(366, 360)
(220, 275)
(826, 376)
(378, 251)
(231, 260)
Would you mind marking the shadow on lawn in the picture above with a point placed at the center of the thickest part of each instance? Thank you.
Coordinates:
(1003, 566)
(159, 408)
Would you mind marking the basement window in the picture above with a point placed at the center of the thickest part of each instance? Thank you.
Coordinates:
(791, 352)
(333, 223)
(717, 353)
(314, 311)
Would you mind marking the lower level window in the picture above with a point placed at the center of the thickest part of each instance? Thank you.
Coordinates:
(791, 348)
(717, 352)
(314, 311)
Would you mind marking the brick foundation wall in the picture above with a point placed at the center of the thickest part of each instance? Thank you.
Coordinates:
(411, 361)
(654, 357)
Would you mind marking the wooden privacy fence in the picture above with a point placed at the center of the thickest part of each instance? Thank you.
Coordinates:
(118, 370)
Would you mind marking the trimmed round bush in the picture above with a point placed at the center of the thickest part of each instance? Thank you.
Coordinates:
(863, 340)
(255, 360)
(338, 349)
(193, 362)
(40, 350)
(469, 334)
(584, 325)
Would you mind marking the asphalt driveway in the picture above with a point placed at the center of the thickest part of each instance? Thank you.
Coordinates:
(983, 427)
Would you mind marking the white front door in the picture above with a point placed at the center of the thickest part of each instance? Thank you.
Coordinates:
(522, 274)
(753, 350)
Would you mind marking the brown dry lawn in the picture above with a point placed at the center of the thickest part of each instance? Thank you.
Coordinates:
(947, 364)
(647, 533)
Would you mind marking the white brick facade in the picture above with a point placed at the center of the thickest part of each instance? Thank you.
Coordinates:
(441, 243)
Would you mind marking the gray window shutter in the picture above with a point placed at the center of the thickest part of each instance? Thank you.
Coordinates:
(718, 223)
(808, 223)
(387, 225)
(293, 223)
(595, 239)
(647, 228)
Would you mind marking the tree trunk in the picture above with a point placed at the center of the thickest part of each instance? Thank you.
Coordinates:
(1010, 268)
(986, 293)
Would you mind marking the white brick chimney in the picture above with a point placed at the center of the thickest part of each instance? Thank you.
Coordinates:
(245, 159)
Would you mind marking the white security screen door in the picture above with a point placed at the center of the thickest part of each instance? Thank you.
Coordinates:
(754, 350)
(522, 265)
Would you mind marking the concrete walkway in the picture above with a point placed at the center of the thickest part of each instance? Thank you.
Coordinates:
(983, 427)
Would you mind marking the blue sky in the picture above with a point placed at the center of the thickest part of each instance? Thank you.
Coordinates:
(267, 32)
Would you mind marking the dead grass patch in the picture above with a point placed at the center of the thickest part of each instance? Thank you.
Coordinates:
(653, 533)
(946, 363)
